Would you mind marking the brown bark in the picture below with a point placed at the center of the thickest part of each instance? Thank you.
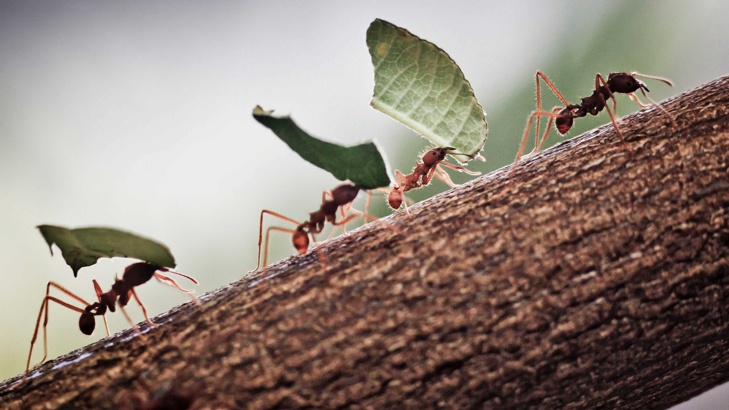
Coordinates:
(598, 279)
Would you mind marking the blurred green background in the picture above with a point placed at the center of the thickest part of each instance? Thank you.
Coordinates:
(136, 115)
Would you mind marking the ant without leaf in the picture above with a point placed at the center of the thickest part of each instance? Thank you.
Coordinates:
(563, 117)
(342, 197)
(121, 291)
(423, 173)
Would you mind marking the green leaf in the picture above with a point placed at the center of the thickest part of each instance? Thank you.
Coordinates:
(84, 246)
(362, 164)
(419, 85)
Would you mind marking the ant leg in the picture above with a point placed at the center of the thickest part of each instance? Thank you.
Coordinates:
(344, 210)
(367, 215)
(318, 251)
(443, 176)
(129, 319)
(144, 309)
(99, 292)
(43, 312)
(346, 220)
(460, 168)
(551, 87)
(277, 229)
(427, 177)
(659, 106)
(552, 114)
(188, 277)
(260, 234)
(600, 81)
(556, 92)
(171, 282)
(400, 180)
(556, 111)
(637, 100)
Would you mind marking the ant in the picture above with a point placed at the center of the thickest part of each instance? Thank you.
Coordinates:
(342, 197)
(121, 291)
(563, 117)
(423, 173)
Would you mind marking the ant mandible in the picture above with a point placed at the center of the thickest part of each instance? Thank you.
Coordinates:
(563, 117)
(423, 173)
(121, 291)
(342, 197)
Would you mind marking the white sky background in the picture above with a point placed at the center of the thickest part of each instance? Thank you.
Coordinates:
(136, 115)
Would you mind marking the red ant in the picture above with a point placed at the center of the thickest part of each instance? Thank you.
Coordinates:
(563, 117)
(423, 173)
(342, 197)
(121, 291)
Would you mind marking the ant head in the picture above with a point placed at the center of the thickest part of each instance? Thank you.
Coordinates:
(624, 83)
(301, 241)
(345, 193)
(138, 273)
(87, 322)
(436, 155)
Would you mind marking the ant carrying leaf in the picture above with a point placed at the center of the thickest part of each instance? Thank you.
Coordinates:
(120, 294)
(362, 164)
(419, 85)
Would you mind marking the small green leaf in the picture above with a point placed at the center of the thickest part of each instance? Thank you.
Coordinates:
(419, 85)
(362, 164)
(84, 246)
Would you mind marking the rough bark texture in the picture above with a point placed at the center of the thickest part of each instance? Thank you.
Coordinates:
(599, 278)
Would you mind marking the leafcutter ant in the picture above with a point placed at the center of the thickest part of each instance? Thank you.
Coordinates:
(563, 117)
(423, 172)
(121, 292)
(341, 198)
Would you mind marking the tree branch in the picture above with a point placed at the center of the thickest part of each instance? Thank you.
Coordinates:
(599, 278)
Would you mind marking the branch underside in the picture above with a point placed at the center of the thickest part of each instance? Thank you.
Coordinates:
(597, 278)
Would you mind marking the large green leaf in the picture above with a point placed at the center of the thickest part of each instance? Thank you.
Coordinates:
(419, 85)
(84, 246)
(362, 164)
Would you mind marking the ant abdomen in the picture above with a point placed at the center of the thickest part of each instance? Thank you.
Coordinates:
(87, 323)
(564, 121)
(394, 198)
(300, 239)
